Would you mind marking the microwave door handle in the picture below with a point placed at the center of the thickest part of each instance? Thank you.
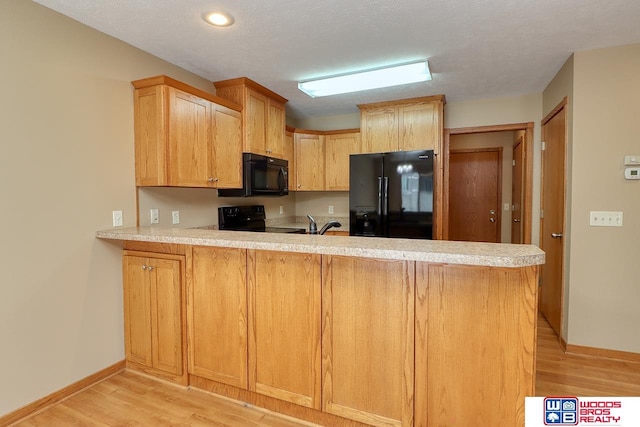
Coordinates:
(282, 180)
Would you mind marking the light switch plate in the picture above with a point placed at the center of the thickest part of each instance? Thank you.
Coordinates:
(605, 219)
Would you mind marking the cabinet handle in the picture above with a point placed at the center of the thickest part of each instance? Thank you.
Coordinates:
(212, 179)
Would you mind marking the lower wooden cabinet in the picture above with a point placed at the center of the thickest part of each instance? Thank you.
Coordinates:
(284, 327)
(367, 339)
(217, 314)
(153, 318)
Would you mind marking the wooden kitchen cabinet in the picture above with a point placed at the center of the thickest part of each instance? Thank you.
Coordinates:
(289, 156)
(309, 164)
(284, 326)
(368, 339)
(153, 316)
(405, 125)
(185, 137)
(263, 115)
(217, 314)
(338, 148)
(475, 344)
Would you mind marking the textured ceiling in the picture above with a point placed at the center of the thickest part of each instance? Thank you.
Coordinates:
(475, 48)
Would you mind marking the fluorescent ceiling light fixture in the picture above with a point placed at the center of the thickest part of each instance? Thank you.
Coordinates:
(365, 80)
(218, 19)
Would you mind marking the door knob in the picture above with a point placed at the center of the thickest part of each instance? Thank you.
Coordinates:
(492, 211)
(492, 220)
(556, 235)
(516, 220)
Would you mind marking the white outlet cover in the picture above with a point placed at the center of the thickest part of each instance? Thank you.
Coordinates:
(175, 217)
(117, 218)
(154, 216)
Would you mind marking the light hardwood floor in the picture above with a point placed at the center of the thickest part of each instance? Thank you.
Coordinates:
(134, 400)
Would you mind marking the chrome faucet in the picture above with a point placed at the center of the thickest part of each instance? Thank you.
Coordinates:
(329, 225)
(313, 227)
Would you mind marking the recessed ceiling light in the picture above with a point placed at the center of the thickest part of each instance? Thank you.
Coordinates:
(365, 80)
(218, 19)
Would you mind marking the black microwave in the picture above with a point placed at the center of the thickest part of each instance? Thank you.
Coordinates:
(261, 176)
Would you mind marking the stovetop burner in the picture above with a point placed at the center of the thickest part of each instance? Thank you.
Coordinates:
(249, 218)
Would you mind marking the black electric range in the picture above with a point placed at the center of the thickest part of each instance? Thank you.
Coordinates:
(249, 218)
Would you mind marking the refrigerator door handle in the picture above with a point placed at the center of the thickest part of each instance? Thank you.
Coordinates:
(385, 205)
(379, 196)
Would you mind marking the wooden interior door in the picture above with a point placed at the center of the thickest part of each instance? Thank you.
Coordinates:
(516, 191)
(475, 187)
(554, 134)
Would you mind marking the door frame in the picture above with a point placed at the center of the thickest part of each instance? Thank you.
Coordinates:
(498, 190)
(527, 185)
(518, 143)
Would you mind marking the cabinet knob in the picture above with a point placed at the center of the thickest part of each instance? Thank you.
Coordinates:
(212, 179)
(144, 267)
(299, 185)
(150, 268)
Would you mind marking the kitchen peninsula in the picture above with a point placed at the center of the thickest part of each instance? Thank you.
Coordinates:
(336, 330)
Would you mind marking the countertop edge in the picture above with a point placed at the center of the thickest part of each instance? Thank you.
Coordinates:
(437, 252)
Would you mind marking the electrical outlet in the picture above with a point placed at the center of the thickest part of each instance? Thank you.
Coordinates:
(605, 219)
(175, 216)
(281, 210)
(330, 209)
(155, 216)
(117, 218)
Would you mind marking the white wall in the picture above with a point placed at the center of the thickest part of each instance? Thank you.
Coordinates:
(604, 282)
(66, 134)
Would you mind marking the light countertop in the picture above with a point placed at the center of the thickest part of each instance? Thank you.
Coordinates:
(433, 251)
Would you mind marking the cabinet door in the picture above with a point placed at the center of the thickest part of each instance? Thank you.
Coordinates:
(217, 313)
(226, 125)
(255, 116)
(153, 313)
(275, 129)
(189, 140)
(150, 136)
(309, 151)
(379, 127)
(289, 155)
(419, 127)
(367, 339)
(166, 314)
(137, 310)
(284, 326)
(337, 150)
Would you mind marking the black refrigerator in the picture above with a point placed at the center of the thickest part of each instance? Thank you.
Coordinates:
(391, 194)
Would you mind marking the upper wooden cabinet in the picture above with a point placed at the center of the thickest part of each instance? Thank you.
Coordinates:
(290, 156)
(185, 137)
(337, 149)
(309, 164)
(405, 125)
(263, 123)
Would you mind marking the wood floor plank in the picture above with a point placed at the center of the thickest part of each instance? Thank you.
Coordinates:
(132, 399)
